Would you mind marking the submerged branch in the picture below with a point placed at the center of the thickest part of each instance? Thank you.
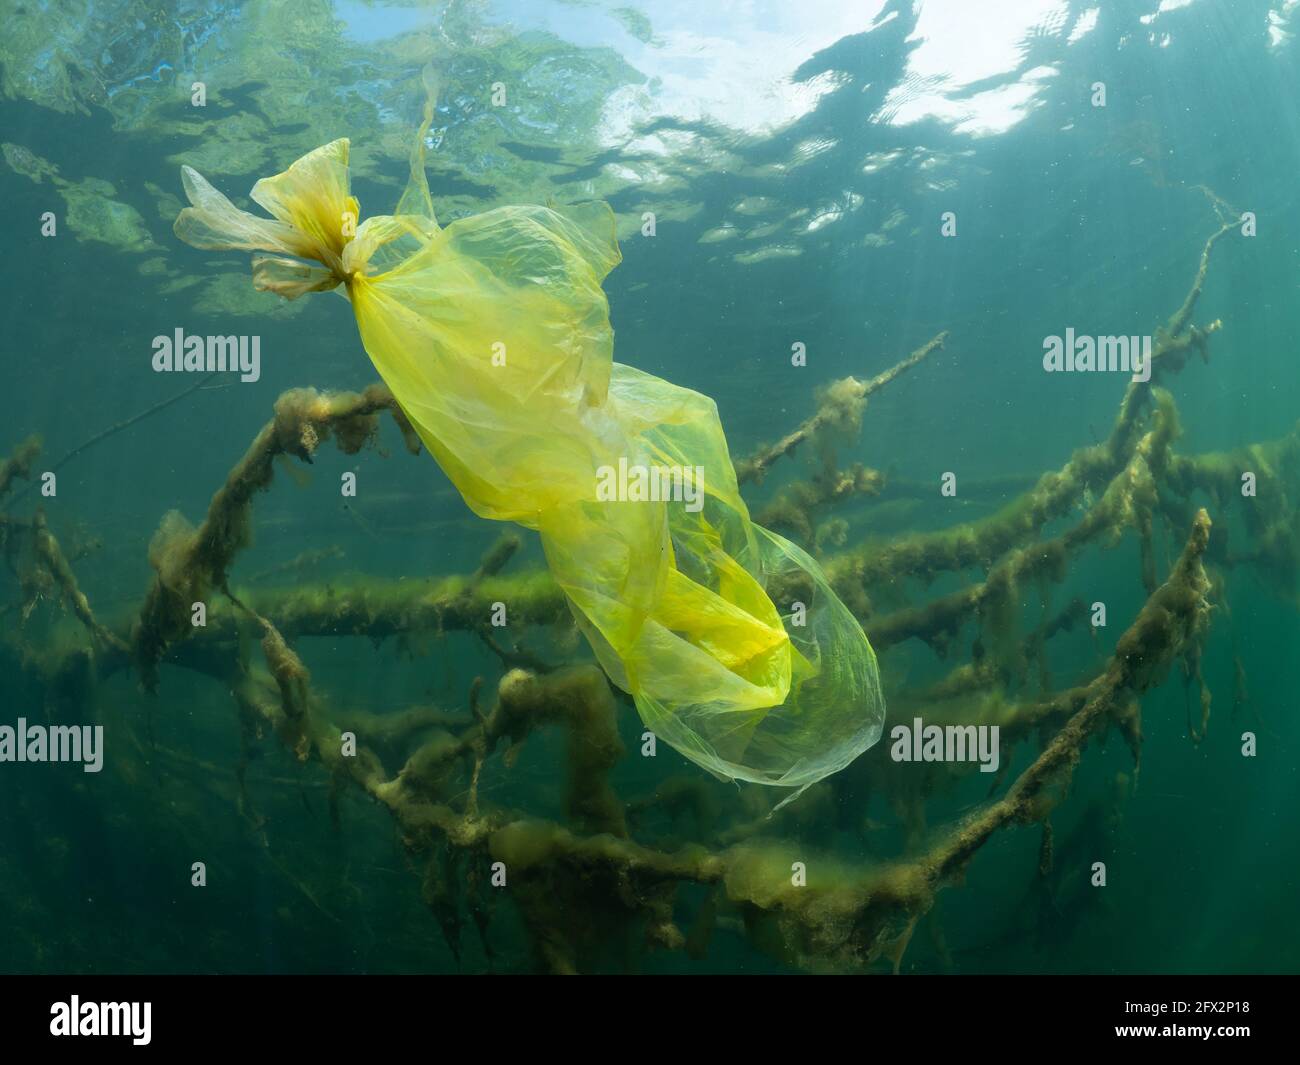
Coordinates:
(841, 406)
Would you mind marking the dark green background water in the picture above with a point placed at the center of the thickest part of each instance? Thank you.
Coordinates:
(822, 145)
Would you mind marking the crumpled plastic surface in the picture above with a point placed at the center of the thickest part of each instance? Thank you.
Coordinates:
(677, 605)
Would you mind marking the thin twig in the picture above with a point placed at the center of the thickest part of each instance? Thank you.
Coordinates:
(104, 434)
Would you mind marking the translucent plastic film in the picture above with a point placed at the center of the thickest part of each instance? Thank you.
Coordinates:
(493, 335)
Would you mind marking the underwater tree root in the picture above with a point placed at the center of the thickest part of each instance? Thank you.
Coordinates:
(1127, 501)
(563, 881)
(192, 563)
(858, 919)
(840, 406)
(19, 464)
(587, 884)
(925, 555)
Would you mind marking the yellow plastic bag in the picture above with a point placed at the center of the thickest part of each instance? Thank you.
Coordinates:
(493, 335)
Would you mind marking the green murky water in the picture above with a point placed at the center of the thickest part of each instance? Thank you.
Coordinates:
(837, 182)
